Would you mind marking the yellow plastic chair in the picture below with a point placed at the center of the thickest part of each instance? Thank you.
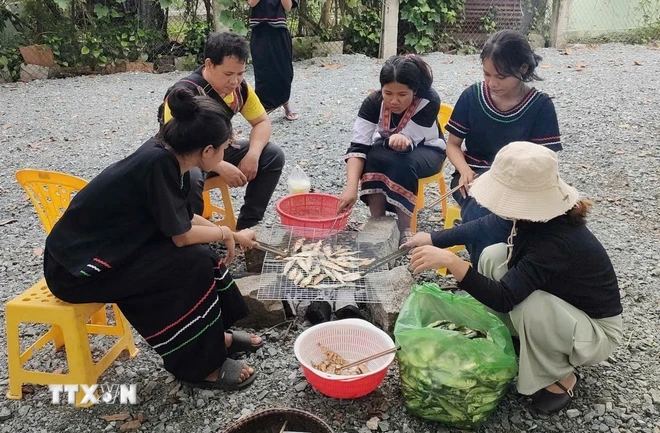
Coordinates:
(453, 215)
(227, 213)
(51, 193)
(443, 118)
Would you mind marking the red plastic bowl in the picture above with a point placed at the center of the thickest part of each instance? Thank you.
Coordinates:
(312, 214)
(353, 339)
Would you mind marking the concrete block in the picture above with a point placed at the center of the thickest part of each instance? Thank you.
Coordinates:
(34, 72)
(379, 237)
(400, 280)
(263, 314)
(254, 259)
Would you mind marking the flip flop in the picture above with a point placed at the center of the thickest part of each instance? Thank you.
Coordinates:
(290, 114)
(548, 402)
(241, 342)
(228, 378)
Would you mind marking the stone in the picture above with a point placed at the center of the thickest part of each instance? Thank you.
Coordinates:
(23, 410)
(263, 314)
(600, 409)
(5, 414)
(655, 395)
(536, 40)
(609, 421)
(573, 413)
(379, 237)
(384, 426)
(39, 55)
(200, 402)
(34, 72)
(372, 424)
(300, 386)
(277, 237)
(207, 393)
(400, 281)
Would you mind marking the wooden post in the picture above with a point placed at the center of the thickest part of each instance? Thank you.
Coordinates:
(390, 29)
(559, 23)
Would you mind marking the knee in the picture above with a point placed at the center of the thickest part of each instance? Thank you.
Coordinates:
(272, 158)
(531, 310)
(491, 259)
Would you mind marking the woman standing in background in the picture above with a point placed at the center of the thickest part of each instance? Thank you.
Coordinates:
(272, 53)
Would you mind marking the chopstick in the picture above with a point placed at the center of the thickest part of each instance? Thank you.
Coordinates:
(284, 426)
(448, 193)
(369, 358)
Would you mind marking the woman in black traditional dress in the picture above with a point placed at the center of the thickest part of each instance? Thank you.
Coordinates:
(272, 53)
(129, 238)
(396, 141)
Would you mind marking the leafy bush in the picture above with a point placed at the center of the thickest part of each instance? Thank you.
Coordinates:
(362, 26)
(420, 20)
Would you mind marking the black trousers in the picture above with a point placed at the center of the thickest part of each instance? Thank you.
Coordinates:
(257, 193)
(272, 54)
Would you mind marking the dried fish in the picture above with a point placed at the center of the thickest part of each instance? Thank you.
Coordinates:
(317, 246)
(330, 265)
(333, 363)
(304, 264)
(298, 245)
(288, 266)
(306, 281)
(329, 273)
(327, 250)
(346, 253)
(318, 279)
(352, 277)
(339, 277)
(315, 270)
(299, 278)
(310, 263)
(293, 273)
(344, 264)
(367, 262)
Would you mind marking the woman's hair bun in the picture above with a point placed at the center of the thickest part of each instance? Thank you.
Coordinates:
(182, 103)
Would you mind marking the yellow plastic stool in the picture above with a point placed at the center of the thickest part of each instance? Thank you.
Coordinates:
(453, 215)
(69, 328)
(227, 213)
(51, 193)
(443, 118)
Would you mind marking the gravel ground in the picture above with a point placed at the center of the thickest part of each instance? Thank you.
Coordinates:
(607, 101)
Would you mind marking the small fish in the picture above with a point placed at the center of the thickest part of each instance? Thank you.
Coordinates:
(329, 273)
(346, 253)
(298, 245)
(317, 246)
(318, 279)
(344, 264)
(310, 263)
(293, 273)
(367, 262)
(315, 270)
(327, 250)
(330, 265)
(307, 247)
(303, 264)
(352, 277)
(306, 281)
(288, 266)
(339, 277)
(299, 278)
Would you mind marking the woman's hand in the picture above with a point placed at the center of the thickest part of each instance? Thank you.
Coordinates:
(246, 239)
(430, 257)
(230, 244)
(419, 240)
(399, 142)
(466, 179)
(347, 199)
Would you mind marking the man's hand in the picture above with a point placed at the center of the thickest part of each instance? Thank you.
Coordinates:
(249, 165)
(232, 176)
(419, 240)
(399, 142)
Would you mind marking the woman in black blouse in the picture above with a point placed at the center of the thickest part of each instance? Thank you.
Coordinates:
(553, 285)
(272, 53)
(130, 238)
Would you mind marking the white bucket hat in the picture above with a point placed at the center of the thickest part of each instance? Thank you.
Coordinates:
(524, 184)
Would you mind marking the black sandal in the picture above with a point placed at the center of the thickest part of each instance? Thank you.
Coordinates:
(549, 402)
(228, 379)
(242, 342)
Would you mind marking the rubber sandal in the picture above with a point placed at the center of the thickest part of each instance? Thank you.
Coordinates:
(548, 402)
(290, 114)
(228, 378)
(241, 342)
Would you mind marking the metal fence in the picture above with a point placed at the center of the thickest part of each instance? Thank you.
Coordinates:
(105, 36)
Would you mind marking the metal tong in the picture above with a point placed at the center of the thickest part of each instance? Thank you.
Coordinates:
(383, 260)
(272, 249)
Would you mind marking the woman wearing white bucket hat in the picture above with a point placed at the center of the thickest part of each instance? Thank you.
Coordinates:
(553, 284)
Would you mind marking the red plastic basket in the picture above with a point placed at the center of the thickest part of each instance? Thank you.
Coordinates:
(312, 214)
(353, 339)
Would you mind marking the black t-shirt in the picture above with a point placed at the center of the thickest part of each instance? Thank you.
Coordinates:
(141, 197)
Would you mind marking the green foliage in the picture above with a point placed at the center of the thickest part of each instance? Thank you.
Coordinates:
(193, 42)
(10, 60)
(231, 16)
(488, 23)
(419, 20)
(362, 26)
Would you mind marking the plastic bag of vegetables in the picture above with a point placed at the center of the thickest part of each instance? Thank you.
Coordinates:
(456, 359)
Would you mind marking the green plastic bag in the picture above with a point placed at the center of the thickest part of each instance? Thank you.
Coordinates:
(446, 376)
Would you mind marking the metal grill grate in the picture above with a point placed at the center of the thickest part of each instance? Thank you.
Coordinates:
(274, 285)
